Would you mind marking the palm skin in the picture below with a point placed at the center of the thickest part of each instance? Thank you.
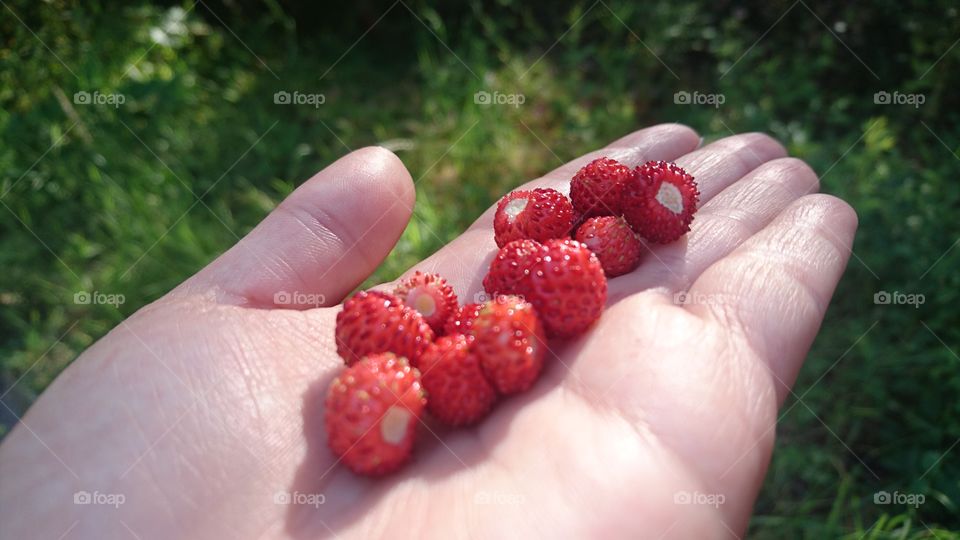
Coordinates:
(206, 406)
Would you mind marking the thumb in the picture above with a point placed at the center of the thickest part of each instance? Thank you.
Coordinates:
(321, 241)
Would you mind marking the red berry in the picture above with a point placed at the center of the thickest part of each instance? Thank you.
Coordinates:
(595, 189)
(510, 343)
(561, 278)
(371, 413)
(374, 322)
(510, 268)
(567, 287)
(540, 214)
(459, 394)
(462, 319)
(659, 201)
(430, 295)
(613, 242)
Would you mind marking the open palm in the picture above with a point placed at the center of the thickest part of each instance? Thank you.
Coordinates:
(203, 411)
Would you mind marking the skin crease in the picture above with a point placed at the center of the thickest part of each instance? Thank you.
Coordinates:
(203, 406)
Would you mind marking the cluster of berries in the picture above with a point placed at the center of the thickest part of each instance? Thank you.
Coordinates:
(417, 348)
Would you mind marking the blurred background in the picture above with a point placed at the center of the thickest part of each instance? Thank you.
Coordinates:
(141, 139)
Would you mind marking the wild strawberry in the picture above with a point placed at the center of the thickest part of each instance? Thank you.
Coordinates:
(374, 322)
(613, 242)
(430, 295)
(540, 214)
(659, 201)
(462, 319)
(454, 381)
(595, 189)
(567, 287)
(510, 343)
(371, 413)
(510, 268)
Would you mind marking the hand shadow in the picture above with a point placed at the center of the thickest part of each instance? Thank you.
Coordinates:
(329, 498)
(326, 499)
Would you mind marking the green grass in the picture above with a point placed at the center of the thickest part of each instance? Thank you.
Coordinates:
(105, 199)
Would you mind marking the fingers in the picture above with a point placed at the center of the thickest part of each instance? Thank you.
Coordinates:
(631, 150)
(465, 260)
(725, 161)
(320, 242)
(715, 167)
(655, 142)
(772, 292)
(723, 223)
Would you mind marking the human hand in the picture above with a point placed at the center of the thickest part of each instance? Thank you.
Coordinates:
(204, 409)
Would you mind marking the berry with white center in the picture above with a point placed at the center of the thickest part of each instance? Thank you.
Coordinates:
(371, 413)
(659, 201)
(613, 242)
(374, 322)
(567, 287)
(510, 343)
(431, 296)
(596, 188)
(454, 381)
(462, 319)
(539, 214)
(510, 268)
